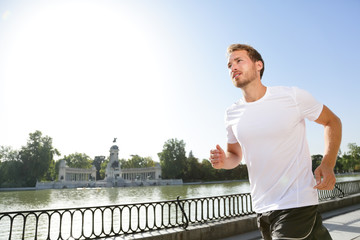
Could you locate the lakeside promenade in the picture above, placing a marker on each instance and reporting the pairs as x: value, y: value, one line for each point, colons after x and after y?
x: 343, y: 224
x: 215, y: 217
x: 341, y: 216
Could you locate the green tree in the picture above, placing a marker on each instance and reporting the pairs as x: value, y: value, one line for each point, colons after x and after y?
x: 347, y: 162
x: 208, y: 173
x: 10, y: 174
x: 354, y: 152
x: 350, y: 161
x: 10, y: 168
x: 172, y: 159
x: 78, y: 160
x: 238, y: 173
x: 137, y: 162
x: 192, y: 170
x: 339, y: 168
x: 8, y: 154
x: 51, y: 174
x: 316, y: 161
x: 124, y: 163
x: 37, y: 156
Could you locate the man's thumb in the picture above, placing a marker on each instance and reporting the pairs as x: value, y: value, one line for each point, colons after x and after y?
x: 219, y: 148
x: 317, y: 177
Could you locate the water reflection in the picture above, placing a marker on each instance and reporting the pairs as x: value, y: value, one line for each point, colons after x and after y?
x: 24, y: 200
x: 67, y: 198
x: 172, y: 192
x: 216, y: 189
x: 111, y: 194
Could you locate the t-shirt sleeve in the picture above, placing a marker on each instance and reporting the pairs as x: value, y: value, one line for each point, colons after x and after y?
x: 230, y: 135
x: 229, y: 130
x: 309, y: 107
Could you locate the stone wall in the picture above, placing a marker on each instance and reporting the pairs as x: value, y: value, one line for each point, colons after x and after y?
x: 104, y: 184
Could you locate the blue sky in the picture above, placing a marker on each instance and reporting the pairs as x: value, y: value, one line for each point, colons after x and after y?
x: 84, y: 72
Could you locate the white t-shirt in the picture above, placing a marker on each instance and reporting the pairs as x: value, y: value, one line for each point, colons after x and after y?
x: 272, y: 135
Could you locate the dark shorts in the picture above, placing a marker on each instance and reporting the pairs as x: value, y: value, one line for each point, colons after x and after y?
x: 295, y: 223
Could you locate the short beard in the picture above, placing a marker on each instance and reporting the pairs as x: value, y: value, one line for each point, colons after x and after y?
x: 249, y: 77
x: 242, y: 84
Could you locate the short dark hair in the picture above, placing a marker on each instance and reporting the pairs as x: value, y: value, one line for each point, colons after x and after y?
x: 253, y: 54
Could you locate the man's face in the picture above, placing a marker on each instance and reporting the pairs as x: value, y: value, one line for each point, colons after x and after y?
x: 242, y: 69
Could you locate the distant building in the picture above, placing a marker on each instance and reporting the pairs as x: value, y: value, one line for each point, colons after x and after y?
x: 114, y: 176
x: 150, y: 173
x: 75, y: 174
x: 119, y: 177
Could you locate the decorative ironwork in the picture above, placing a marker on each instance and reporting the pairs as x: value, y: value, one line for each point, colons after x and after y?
x: 181, y: 206
x: 115, y: 220
x: 341, y: 189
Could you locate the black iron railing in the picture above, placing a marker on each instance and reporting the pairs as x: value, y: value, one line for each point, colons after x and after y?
x: 115, y: 220
x: 341, y: 189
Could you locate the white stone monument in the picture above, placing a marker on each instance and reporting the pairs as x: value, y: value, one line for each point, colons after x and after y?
x: 113, y: 169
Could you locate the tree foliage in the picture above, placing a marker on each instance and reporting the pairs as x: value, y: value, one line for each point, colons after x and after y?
x: 192, y: 169
x: 350, y: 161
x: 316, y: 160
x: 354, y: 152
x: 8, y: 154
x: 175, y: 164
x: 78, y: 160
x: 10, y: 163
x: 21, y: 168
x: 172, y: 159
x: 346, y: 162
x: 37, y: 157
x: 137, y: 162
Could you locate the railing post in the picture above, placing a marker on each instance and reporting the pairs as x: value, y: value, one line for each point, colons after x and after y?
x: 186, y: 224
x: 342, y: 193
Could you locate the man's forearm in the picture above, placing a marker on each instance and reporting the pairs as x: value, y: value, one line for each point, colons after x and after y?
x: 332, y: 134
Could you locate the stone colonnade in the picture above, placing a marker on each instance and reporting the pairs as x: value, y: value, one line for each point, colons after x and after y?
x: 151, y: 173
x: 76, y: 174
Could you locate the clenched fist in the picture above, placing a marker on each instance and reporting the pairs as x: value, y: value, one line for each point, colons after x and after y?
x: 217, y: 157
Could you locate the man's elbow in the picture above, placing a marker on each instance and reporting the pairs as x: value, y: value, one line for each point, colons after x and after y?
x: 335, y: 126
x: 337, y: 122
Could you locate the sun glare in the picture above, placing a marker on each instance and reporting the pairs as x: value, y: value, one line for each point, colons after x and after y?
x: 6, y: 15
x: 84, y: 61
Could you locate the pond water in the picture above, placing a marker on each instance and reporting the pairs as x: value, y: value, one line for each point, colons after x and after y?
x: 67, y: 198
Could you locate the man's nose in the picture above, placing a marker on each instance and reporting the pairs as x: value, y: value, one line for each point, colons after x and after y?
x: 233, y: 68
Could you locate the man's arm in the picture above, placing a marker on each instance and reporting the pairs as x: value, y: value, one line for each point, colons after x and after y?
x: 332, y: 134
x: 229, y: 160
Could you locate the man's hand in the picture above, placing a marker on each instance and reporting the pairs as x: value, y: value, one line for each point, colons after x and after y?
x: 325, y: 177
x: 217, y: 157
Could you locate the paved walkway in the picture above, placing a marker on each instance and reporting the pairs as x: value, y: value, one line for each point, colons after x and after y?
x: 343, y: 224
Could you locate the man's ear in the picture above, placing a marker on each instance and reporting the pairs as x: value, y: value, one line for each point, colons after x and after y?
x: 259, y: 65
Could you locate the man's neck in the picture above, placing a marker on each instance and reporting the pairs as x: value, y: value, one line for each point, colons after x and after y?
x: 253, y: 92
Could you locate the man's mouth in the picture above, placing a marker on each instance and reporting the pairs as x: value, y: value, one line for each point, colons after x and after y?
x: 236, y: 75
